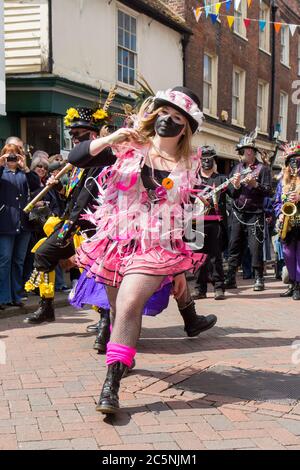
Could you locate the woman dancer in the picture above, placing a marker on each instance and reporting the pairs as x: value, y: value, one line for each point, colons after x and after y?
x: 143, y: 220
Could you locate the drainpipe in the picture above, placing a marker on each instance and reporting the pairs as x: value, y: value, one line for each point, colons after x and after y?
x: 184, y: 42
x: 274, y: 8
x: 50, y: 52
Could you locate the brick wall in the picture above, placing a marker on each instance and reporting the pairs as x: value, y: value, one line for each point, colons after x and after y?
x: 233, y: 50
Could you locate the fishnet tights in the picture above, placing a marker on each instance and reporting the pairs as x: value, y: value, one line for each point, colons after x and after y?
x: 127, y: 305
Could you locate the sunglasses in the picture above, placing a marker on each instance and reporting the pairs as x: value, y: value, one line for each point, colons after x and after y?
x: 42, y: 166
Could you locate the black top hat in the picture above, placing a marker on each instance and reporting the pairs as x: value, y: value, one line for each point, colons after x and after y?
x: 183, y: 100
x: 83, y: 117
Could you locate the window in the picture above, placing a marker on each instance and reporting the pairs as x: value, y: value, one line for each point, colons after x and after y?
x: 283, y: 113
x: 210, y: 81
x: 298, y: 123
x: 239, y: 14
x: 285, y: 46
x: 264, y: 36
x: 127, y: 56
x: 262, y: 106
x: 238, y: 96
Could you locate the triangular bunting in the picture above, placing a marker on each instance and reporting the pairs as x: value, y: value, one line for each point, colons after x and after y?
x: 262, y: 24
x: 207, y: 10
x: 247, y: 21
x: 249, y: 3
x: 293, y: 28
x: 218, y: 6
x: 213, y: 18
x: 237, y: 4
x: 228, y: 5
x: 230, y: 20
x: 277, y: 27
x: 197, y: 13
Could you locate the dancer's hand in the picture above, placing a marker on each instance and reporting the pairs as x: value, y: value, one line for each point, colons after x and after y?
x: 52, y: 180
x: 122, y: 135
x: 179, y: 285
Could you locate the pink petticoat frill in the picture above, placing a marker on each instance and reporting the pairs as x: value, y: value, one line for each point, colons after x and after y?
x: 108, y: 261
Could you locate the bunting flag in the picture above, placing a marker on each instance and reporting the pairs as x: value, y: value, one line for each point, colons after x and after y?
x: 247, y: 22
x: 230, y: 20
x: 293, y: 28
x: 197, y: 13
x: 207, y: 10
x: 218, y: 6
x: 262, y: 24
x: 213, y: 18
x: 277, y: 27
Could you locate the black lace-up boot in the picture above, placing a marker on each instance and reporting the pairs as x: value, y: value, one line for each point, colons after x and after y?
x: 45, y: 312
x: 193, y: 323
x: 109, y: 399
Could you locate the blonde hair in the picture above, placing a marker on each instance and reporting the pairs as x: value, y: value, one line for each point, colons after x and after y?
x: 145, y: 126
x: 12, y: 148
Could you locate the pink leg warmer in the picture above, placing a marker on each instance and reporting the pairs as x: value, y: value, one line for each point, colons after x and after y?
x: 119, y: 353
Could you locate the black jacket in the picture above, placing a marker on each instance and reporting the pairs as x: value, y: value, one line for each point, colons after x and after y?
x: 86, y: 190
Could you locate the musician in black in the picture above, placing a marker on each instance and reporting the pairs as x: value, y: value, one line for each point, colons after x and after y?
x: 215, y: 227
x: 248, y: 213
x: 80, y: 192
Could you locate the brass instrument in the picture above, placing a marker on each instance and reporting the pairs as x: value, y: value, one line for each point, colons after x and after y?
x: 289, y: 210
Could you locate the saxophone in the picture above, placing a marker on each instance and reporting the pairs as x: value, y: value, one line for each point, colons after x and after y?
x: 289, y: 210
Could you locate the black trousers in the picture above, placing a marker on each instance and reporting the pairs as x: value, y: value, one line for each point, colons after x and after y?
x: 213, y: 266
x: 246, y: 228
x: 47, y: 256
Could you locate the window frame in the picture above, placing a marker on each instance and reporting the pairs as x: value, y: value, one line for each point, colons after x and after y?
x: 130, y: 14
x: 243, y: 11
x: 213, y: 95
x: 285, y: 33
x: 283, y: 128
x: 240, y: 115
x: 264, y: 7
x: 264, y: 106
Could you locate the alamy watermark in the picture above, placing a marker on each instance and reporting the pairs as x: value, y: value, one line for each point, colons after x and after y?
x: 296, y: 94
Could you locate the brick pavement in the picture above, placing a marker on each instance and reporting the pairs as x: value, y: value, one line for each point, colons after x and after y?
x: 52, y: 378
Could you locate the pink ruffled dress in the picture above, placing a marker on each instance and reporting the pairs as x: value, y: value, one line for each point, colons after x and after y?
x: 140, y: 231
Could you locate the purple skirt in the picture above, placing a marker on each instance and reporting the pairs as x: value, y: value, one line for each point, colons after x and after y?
x: 89, y: 292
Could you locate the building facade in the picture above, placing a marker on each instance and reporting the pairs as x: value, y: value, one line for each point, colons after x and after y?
x: 245, y: 76
x: 60, y: 53
x: 2, y: 64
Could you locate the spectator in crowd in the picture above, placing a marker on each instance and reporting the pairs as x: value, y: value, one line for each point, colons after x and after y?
x: 16, y: 184
x: 40, y: 166
x: 57, y: 158
x: 15, y: 141
x: 40, y: 154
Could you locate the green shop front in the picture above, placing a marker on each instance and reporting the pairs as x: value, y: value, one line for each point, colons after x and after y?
x: 36, y: 106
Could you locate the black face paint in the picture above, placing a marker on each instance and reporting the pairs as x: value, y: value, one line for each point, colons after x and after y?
x: 207, y: 163
x: 166, y: 127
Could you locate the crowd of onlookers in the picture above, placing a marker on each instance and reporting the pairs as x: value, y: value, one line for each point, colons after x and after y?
x: 22, y: 177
